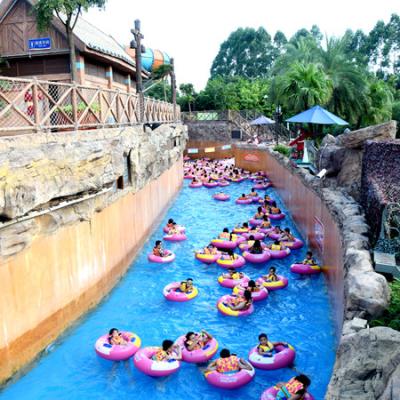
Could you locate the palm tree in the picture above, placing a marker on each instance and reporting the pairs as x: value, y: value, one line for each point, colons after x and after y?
x: 301, y: 87
x: 349, y: 85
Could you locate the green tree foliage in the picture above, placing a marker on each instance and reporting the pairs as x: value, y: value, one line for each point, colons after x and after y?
x: 247, y: 52
x: 188, y: 96
x: 160, y: 91
x: 68, y: 12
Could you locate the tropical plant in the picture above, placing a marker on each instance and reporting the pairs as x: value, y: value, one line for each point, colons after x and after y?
x: 188, y: 94
x: 285, y: 150
x: 68, y: 12
x: 301, y: 87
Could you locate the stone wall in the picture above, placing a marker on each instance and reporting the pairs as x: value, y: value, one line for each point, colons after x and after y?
x: 380, y: 180
x: 217, y: 131
x: 39, y: 171
x: 56, y: 265
x: 367, y: 362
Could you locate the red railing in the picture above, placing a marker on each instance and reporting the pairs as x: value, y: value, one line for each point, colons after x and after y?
x: 30, y: 105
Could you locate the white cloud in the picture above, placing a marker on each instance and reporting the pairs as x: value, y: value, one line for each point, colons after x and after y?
x: 192, y: 31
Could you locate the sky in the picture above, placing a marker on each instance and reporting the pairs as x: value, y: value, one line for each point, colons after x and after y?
x: 192, y: 31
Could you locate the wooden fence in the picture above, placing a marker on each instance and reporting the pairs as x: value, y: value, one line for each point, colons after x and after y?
x: 29, y: 105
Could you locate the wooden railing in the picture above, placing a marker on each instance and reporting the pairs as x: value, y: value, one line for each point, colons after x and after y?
x: 34, y: 105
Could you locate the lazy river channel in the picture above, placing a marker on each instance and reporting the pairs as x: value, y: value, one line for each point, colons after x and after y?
x: 299, y: 314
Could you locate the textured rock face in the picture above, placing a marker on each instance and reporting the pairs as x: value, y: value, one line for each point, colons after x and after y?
x: 219, y: 131
x: 36, y: 170
x: 342, y: 156
x: 367, y: 366
x: 356, y: 139
x: 380, y: 180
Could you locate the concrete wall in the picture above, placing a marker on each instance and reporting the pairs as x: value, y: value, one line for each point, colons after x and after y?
x: 47, y: 286
x: 310, y: 215
x: 202, y: 144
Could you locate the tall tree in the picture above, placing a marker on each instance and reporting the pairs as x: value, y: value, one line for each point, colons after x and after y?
x: 188, y: 94
x: 247, y: 52
x: 301, y: 87
x: 68, y: 12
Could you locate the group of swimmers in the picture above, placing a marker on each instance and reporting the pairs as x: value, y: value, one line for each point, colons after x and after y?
x: 227, y: 362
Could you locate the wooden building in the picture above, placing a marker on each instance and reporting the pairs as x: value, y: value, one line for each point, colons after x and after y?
x: 101, y: 60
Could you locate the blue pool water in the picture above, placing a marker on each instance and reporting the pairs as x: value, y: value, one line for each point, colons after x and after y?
x: 300, y: 315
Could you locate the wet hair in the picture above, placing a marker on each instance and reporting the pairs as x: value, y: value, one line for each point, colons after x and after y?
x: 224, y: 353
x: 247, y: 295
x: 229, y: 252
x: 277, y: 242
x: 251, y: 283
x: 251, y: 237
x: 166, y: 344
x: 259, y: 209
x: 253, y: 189
x: 243, y: 195
x: 262, y: 335
x: 305, y: 380
x: 226, y: 230
x: 189, y: 279
x: 187, y: 336
x: 309, y: 253
x: 265, y: 217
x: 158, y: 242
x: 273, y: 203
x: 245, y: 225
x: 231, y: 269
x: 112, y: 330
x: 273, y: 269
x: 257, y: 243
x: 287, y: 230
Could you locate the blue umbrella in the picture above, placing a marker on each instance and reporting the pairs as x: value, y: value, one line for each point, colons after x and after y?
x: 318, y: 115
x: 262, y: 121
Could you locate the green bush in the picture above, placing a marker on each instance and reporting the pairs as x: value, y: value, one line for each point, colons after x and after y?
x: 391, y: 316
x: 285, y: 150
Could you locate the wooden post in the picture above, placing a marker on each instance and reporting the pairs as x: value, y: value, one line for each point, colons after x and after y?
x: 35, y: 105
x: 138, y: 58
x: 109, y: 75
x: 74, y: 101
x: 173, y: 88
x: 80, y: 67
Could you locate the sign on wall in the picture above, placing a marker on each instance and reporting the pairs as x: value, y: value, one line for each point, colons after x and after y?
x: 319, y: 234
x: 251, y: 157
x: 39, y: 44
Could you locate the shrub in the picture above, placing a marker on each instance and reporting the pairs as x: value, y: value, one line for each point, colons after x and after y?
x: 391, y: 316
x: 285, y: 150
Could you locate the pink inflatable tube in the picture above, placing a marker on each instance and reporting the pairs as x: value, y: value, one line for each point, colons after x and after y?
x: 144, y: 363
x: 281, y: 283
x: 198, y: 356
x: 232, y: 380
x: 231, y: 283
x: 245, y: 201
x: 238, y: 180
x: 195, y: 185
x: 223, y: 184
x: 275, y: 236
x: 181, y: 229
x: 255, y: 199
x: 261, y: 201
x: 238, y: 262
x: 279, y: 253
x: 188, y: 176
x: 111, y: 352
x: 276, y: 217
x: 257, y: 258
x: 266, y: 231
x: 172, y: 293
x: 257, y: 235
x: 297, y: 244
x: 221, y: 197
x: 240, y: 231
x: 260, y: 186
x: 262, y: 294
x: 270, y: 394
x: 210, y: 184
x: 208, y: 258
x: 255, y: 222
x: 224, y: 244
x: 305, y: 269
x: 176, y: 237
x: 225, y: 310
x: 170, y: 256
x: 282, y: 357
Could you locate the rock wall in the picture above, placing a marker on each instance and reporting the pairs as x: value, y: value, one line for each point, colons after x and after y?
x: 38, y: 171
x: 380, y: 183
x: 342, y: 156
x: 218, y: 131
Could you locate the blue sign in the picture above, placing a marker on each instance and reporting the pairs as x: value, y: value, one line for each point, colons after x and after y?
x: 39, y: 44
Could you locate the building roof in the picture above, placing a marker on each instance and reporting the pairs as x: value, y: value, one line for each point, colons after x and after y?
x: 91, y: 36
